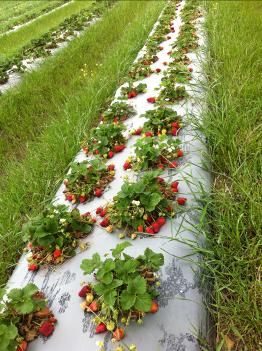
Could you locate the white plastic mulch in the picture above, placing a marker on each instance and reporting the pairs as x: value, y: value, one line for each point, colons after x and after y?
x: 182, y: 315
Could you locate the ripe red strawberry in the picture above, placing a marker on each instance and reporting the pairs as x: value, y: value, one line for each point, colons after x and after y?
x: 181, y: 200
x: 158, y: 70
x: 98, y: 192
x: 46, y: 328
x: 160, y: 47
x: 175, y: 125
x: 151, y: 100
x: 173, y: 164
x: 174, y: 131
x: 132, y: 94
x: 99, y: 210
x: 140, y: 228
x: 94, y: 306
x: 180, y: 153
x: 119, y: 334
x: 165, y: 63
x: 127, y: 165
x: 100, y: 328
x: 168, y: 37
x: 69, y: 197
x: 160, y: 180
x: 154, y: 307
x: 161, y: 221
x: 57, y: 253
x: 85, y: 290
x: 190, y: 69
x: 82, y: 199
x: 174, y: 184
x: 103, y: 213
x: 96, y: 152
x: 155, y: 227
x: 52, y: 320
x: 150, y: 219
x: 150, y: 230
x: 110, y: 154
x: 119, y: 148
x: 85, y: 150
x: 33, y: 267
x: 110, y: 167
x: 105, y: 222
x: 22, y: 346
x: 149, y: 134
x: 138, y: 131
x: 169, y: 52
x: 160, y: 166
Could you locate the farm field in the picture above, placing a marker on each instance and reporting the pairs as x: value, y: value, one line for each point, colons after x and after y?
x: 14, y: 13
x: 130, y: 175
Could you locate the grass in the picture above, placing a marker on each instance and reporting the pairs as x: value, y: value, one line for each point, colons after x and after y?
x: 232, y: 126
x: 18, y: 12
x: 13, y: 42
x: 52, y: 110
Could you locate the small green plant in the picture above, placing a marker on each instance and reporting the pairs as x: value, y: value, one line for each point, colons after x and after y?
x: 24, y: 315
x: 162, y: 120
x: 140, y: 71
x: 87, y: 179
x: 140, y: 207
x: 105, y: 140
x: 54, y: 235
x: 159, y: 151
x: 170, y: 92
x: 132, y: 90
x: 125, y: 289
x: 118, y: 112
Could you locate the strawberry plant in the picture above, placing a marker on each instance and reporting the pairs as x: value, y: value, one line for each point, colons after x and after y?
x: 170, y: 92
x: 87, y: 179
x: 55, y: 234
x: 162, y: 120
x: 24, y: 316
x: 132, y: 91
x: 140, y: 207
x: 124, y: 291
x: 140, y: 71
x: 118, y: 112
x: 178, y: 73
x: 151, y: 152
x: 106, y: 140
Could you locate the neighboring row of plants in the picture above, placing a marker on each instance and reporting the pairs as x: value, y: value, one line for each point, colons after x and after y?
x: 28, y: 17
x: 42, y: 46
x: 125, y: 288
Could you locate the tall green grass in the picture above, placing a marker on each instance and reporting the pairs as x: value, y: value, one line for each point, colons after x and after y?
x: 233, y: 129
x: 13, y: 42
x: 48, y: 114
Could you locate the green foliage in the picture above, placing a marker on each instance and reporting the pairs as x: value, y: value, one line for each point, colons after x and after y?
x: 104, y: 137
x: 154, y: 151
x: 139, y: 70
x: 121, y: 276
x: 160, y: 118
x: 170, y: 92
x: 56, y: 227
x: 118, y: 111
x: 131, y: 88
x: 17, y: 304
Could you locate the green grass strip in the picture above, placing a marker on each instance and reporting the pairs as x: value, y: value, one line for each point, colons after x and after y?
x: 16, y: 12
x: 55, y: 106
x: 13, y: 42
x: 234, y: 133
